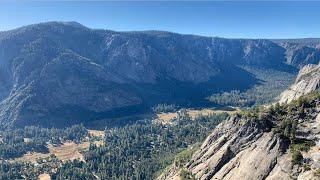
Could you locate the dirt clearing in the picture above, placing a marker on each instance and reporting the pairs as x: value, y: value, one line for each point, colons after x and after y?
x: 167, y: 117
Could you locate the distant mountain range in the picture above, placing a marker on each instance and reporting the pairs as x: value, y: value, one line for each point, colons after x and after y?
x: 61, y: 73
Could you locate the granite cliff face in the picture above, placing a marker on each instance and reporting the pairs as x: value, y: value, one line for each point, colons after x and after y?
x: 238, y: 149
x: 308, y: 80
x: 245, y: 149
x: 61, y: 73
x: 265, y: 145
x: 248, y: 148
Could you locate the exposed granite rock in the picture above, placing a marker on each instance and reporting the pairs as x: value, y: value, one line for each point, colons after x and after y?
x: 244, y: 148
x: 300, y: 55
x: 173, y: 173
x: 307, y: 81
x: 237, y: 149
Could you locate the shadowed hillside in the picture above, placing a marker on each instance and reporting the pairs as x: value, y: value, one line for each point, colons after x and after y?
x: 61, y: 73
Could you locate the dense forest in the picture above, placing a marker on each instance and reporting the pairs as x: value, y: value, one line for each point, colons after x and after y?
x: 159, y: 108
x: 135, y: 151
x: 144, y: 149
x: 17, y: 142
x: 272, y: 83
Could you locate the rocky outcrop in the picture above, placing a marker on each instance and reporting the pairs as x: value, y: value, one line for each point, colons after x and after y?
x: 242, y: 148
x: 238, y: 149
x: 301, y: 55
x: 264, y: 146
x: 307, y: 81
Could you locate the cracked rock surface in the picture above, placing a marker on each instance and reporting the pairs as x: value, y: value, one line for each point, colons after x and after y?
x: 307, y: 81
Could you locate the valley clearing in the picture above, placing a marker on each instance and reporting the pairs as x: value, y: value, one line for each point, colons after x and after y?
x: 166, y: 118
x: 67, y: 151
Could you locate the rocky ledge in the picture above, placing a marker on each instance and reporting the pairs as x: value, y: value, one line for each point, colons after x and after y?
x: 281, y: 141
x: 307, y: 81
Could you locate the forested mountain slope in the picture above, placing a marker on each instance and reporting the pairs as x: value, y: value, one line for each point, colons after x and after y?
x: 61, y: 73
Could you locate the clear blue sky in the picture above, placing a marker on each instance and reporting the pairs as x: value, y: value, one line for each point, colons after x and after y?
x: 223, y: 19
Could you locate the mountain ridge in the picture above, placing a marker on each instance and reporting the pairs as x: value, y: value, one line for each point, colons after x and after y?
x: 123, y: 69
x: 75, y: 23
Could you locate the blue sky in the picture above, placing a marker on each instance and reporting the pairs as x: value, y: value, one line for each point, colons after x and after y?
x: 224, y: 19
